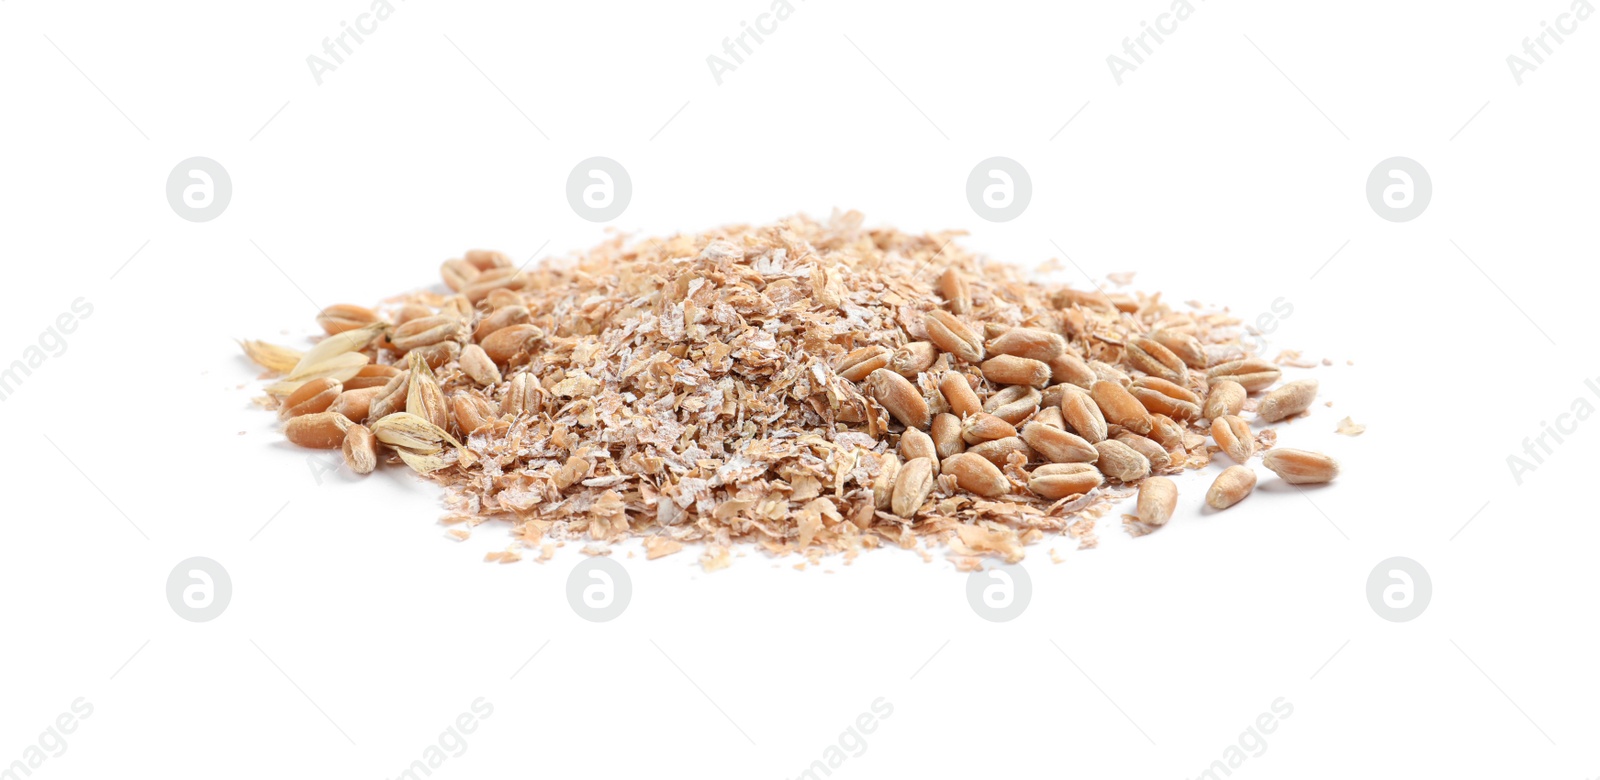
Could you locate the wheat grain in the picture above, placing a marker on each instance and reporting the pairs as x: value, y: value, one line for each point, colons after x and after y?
x: 912, y: 486
x: 360, y: 449
x: 1121, y: 462
x: 953, y: 336
x: 1120, y: 407
x: 1233, y: 435
x: 1158, y: 498
x: 1230, y: 487
x: 1227, y: 397
x: 898, y: 397
x: 1300, y: 467
x: 1056, y: 481
x: 976, y: 475
x: 1287, y: 401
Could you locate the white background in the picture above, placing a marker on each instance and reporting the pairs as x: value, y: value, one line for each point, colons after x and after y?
x: 1229, y: 168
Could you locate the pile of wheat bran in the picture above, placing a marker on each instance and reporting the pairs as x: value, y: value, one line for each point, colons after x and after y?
x: 772, y: 386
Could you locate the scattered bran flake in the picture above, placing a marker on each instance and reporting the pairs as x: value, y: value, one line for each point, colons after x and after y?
x: 1291, y: 357
x: 595, y: 550
x: 1136, y: 527
x: 1055, y: 557
x: 658, y: 546
x: 988, y: 537
x: 1349, y: 427
x: 966, y: 563
x: 459, y: 533
x: 1121, y: 278
x: 1082, y: 529
x: 716, y: 558
x: 1266, y: 439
